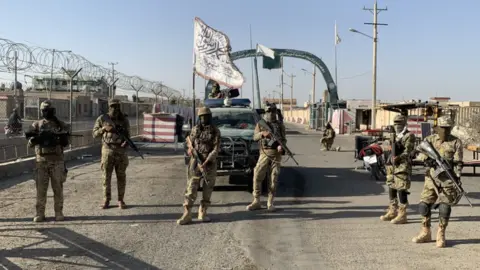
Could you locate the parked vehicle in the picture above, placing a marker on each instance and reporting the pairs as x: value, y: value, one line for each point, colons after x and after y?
x: 373, y: 157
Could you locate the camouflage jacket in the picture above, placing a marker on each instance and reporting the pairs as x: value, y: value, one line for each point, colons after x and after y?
x: 451, y: 150
x: 206, y: 141
x: 110, y: 139
x: 277, y: 127
x: 49, y: 153
x: 329, y: 133
x: 215, y: 94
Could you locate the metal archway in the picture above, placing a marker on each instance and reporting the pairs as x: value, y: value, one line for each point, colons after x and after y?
x: 331, y: 86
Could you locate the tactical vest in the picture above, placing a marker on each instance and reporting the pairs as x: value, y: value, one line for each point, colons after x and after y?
x: 45, y: 152
x: 110, y: 138
x: 203, y: 139
x: 269, y: 143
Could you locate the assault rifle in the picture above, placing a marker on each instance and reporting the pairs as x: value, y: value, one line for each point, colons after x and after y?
x: 122, y: 133
x: 442, y: 166
x: 275, y: 138
x: 198, y: 160
x: 50, y: 138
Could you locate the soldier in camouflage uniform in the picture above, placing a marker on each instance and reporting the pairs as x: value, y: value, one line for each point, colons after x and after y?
x: 270, y: 159
x: 440, y: 188
x: 49, y: 162
x: 215, y: 93
x: 205, y: 139
x: 399, y: 170
x: 114, y: 152
x: 328, y: 137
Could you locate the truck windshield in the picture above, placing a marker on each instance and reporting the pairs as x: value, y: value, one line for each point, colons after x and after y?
x: 234, y: 120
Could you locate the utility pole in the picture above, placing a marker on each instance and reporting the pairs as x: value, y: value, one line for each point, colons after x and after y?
x: 375, y: 11
x: 291, y: 93
x: 112, y: 92
x: 313, y: 90
x: 136, y: 106
x: 72, y: 75
x: 51, y: 71
x: 281, y: 83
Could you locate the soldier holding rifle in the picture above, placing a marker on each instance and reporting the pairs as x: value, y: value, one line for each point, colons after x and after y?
x: 399, y: 169
x: 444, y: 186
x: 49, y: 136
x: 113, y: 128
x: 203, y: 146
x: 271, y: 134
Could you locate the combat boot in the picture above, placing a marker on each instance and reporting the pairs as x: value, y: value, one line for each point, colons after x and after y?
x: 202, y: 213
x: 105, y: 204
x: 391, y: 213
x: 425, y: 234
x: 402, y: 215
x: 255, y: 205
x: 59, y: 216
x: 122, y: 205
x: 270, y: 206
x: 186, y: 217
x: 39, y: 218
x: 441, y: 236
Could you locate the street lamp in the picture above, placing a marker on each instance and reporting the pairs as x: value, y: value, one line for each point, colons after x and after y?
x: 51, y: 71
x: 374, y: 79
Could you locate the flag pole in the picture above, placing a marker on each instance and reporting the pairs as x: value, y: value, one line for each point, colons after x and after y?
x: 251, y: 60
x: 193, y: 77
x: 259, y: 104
x: 336, y: 39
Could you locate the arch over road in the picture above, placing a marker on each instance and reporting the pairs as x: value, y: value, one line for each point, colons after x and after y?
x: 331, y: 86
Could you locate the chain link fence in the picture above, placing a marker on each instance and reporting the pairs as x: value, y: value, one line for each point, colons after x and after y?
x: 13, y: 144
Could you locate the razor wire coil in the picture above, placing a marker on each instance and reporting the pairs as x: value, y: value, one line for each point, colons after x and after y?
x: 39, y: 60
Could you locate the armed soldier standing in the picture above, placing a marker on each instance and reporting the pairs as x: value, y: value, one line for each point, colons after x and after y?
x: 328, y: 137
x: 114, y: 152
x: 270, y: 158
x: 49, y: 160
x: 440, y: 187
x: 399, y: 170
x: 205, y: 141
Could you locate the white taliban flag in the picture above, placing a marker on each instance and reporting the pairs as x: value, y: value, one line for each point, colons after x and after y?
x: 212, y: 56
x: 337, y: 37
x: 265, y: 51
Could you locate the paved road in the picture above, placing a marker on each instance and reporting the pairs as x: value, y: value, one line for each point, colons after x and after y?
x: 77, y: 125
x: 328, y: 219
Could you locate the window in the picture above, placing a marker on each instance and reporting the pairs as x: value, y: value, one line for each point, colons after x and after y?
x: 85, y: 108
x: 233, y: 119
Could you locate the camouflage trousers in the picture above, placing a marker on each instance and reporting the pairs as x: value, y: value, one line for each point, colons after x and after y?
x: 269, y: 161
x: 397, y: 180
x: 45, y: 172
x: 114, y: 159
x: 194, y: 177
x: 327, y: 143
x: 446, y: 193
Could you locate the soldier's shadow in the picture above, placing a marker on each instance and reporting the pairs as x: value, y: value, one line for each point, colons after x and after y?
x: 452, y: 243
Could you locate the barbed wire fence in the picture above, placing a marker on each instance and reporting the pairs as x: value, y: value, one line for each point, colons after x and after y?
x: 43, y: 66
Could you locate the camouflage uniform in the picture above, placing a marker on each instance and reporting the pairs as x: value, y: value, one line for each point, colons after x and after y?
x: 114, y: 152
x: 205, y: 139
x: 440, y: 188
x: 215, y: 91
x: 328, y: 137
x: 270, y: 160
x: 49, y: 163
x: 399, y: 170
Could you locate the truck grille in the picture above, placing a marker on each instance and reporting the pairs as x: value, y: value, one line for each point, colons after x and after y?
x: 233, y: 146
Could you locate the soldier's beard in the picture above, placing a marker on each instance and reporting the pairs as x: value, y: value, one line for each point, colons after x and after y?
x: 443, y: 133
x: 398, y: 128
x: 270, y: 117
x: 115, y: 113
